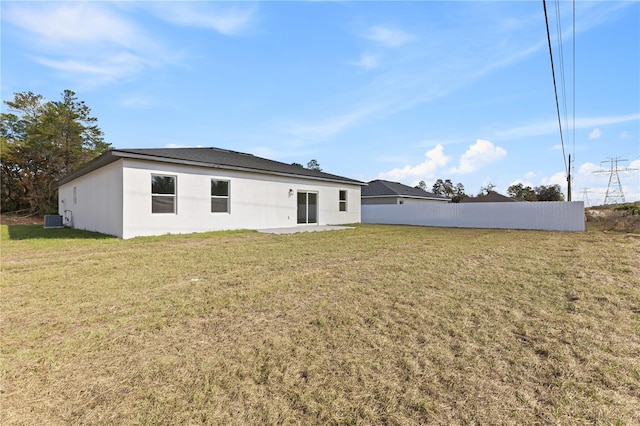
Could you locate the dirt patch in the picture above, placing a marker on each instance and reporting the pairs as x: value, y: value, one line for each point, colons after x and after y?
x: 610, y: 218
x: 20, y: 219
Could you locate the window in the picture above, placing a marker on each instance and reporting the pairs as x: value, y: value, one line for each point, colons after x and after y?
x: 163, y: 194
x: 219, y: 196
x: 342, y: 203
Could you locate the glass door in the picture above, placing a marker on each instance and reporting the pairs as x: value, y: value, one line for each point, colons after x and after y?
x: 307, y: 207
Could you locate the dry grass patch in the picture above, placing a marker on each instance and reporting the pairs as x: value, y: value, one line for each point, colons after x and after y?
x: 381, y: 324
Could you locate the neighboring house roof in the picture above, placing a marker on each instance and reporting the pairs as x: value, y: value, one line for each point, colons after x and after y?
x: 385, y: 188
x: 491, y: 197
x: 208, y: 157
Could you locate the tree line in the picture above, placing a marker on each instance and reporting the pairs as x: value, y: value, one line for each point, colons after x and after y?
x: 538, y: 193
x: 446, y: 188
x: 40, y: 143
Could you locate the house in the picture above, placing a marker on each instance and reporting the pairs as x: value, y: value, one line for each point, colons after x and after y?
x: 135, y: 192
x: 490, y: 197
x: 386, y: 192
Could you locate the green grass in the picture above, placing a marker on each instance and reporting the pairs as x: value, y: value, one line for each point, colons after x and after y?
x: 375, y: 325
x: 37, y: 232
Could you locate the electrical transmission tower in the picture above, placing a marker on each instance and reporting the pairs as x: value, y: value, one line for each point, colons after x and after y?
x: 614, y: 194
x: 585, y: 196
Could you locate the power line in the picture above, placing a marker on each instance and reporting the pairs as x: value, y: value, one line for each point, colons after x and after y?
x: 563, y: 86
x: 569, y: 166
x: 555, y: 87
x: 614, y: 194
x: 574, y: 80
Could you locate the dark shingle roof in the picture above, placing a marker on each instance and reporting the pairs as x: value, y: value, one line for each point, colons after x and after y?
x: 385, y: 188
x: 491, y: 197
x: 208, y: 157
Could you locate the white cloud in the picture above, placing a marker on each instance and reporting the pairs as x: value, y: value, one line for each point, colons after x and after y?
x: 88, y: 43
x: 588, y: 168
x: 530, y: 175
x: 331, y: 126
x: 595, y: 134
x: 228, y: 21
x: 367, y: 61
x: 523, y: 182
x: 434, y: 159
x: 556, y: 147
x: 631, y: 182
x: 486, y: 182
x: 625, y: 135
x: 441, y: 141
x: 559, y: 178
x: 389, y: 37
x: 477, y: 155
x: 112, y: 67
x: 73, y: 23
x: 551, y: 126
x: 176, y: 145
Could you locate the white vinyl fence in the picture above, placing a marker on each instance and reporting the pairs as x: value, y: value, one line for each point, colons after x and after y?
x: 551, y: 216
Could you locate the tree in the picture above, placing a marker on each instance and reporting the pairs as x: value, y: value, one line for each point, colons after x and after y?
x: 421, y: 185
x: 458, y: 193
x: 438, y: 187
x: 521, y: 192
x: 539, y: 193
x: 447, y: 189
x: 549, y: 193
x: 40, y: 143
x: 297, y: 164
x: 485, y: 190
x: 314, y: 165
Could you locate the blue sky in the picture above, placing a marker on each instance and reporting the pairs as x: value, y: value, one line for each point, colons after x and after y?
x: 404, y: 91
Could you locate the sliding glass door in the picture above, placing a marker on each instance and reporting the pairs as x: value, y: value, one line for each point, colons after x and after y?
x: 307, y: 207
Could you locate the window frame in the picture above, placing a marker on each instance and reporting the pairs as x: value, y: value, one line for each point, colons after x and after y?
x: 157, y: 195
x: 221, y: 197
x: 343, y: 205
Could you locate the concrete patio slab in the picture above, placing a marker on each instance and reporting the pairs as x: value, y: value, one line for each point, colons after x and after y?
x: 304, y: 228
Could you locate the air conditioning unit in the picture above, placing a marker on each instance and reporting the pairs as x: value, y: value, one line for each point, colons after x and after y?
x: 52, y: 221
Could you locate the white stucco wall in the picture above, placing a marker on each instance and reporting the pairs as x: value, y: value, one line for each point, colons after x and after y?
x: 98, y: 203
x: 258, y: 201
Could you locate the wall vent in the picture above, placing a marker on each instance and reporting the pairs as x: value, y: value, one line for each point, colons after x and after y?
x: 53, y: 221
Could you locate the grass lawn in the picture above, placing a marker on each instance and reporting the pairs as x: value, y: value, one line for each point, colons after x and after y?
x: 375, y: 325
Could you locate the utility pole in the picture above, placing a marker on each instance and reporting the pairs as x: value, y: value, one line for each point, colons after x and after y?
x: 614, y: 194
x: 569, y: 180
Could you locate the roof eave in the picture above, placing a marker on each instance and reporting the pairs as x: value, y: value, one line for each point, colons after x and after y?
x: 114, y: 155
x: 95, y: 164
x: 406, y: 196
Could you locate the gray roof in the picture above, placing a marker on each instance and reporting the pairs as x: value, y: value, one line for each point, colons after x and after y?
x: 385, y: 188
x: 211, y: 158
x: 491, y: 197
